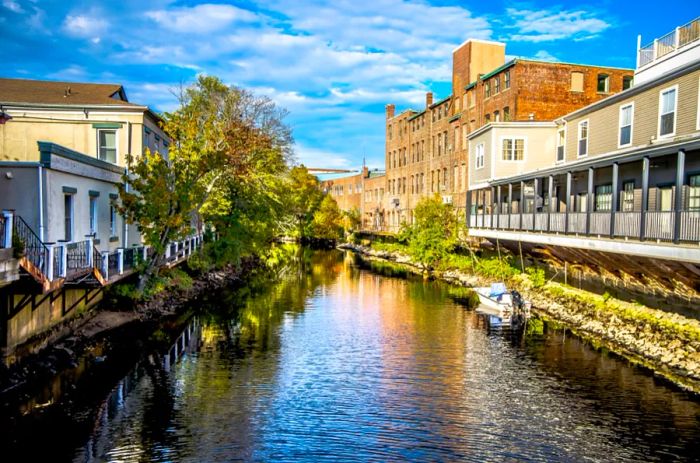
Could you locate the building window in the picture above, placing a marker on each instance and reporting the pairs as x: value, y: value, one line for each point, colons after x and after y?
x: 112, y: 220
x: 603, y: 83
x: 506, y: 80
x: 583, y: 138
x: 506, y: 114
x: 68, y: 217
x: 93, y: 215
x: 496, y: 116
x: 488, y: 118
x: 627, y: 82
x: 107, y: 145
x: 667, y: 112
x: 512, y: 149
x: 479, y: 156
x: 487, y: 90
x: 627, y: 197
x: 603, y: 198
x: 496, y: 84
x: 561, y: 141
x: 626, y: 114
x: 694, y: 193
x: 577, y: 81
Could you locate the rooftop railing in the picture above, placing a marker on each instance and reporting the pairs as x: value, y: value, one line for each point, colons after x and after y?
x: 675, y: 40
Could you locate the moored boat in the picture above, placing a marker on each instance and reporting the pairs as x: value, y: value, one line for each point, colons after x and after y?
x: 503, y: 307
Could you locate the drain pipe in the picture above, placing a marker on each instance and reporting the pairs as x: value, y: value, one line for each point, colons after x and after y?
x: 125, y: 242
x: 41, y: 203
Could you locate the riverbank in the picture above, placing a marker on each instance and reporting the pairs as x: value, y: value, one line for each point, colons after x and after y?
x: 114, y: 315
x: 666, y: 343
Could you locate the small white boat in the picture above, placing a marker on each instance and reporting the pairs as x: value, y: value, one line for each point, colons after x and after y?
x: 503, y: 307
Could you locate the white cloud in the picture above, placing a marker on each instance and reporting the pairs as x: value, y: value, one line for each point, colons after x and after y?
x: 205, y: 18
x: 549, y: 25
x: 314, y: 157
x: 544, y: 55
x: 84, y: 26
x: 12, y: 6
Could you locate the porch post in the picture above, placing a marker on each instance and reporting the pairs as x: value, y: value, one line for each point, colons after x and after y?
x: 9, y: 216
x: 491, y: 201
x: 535, y: 188
x: 522, y: 202
x: 64, y: 260
x: 589, y: 200
x: 645, y: 198
x: 568, y: 202
x: 498, y: 200
x: 483, y: 208
x: 120, y: 263
x: 615, y: 193
x: 468, y: 202
x: 680, y: 175
x: 49, y: 264
x: 550, y: 190
x: 510, y: 202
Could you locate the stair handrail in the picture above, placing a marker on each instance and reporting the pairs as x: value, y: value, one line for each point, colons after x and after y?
x: 34, y: 249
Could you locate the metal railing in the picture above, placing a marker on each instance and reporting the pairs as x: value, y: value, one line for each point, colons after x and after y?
x: 34, y: 250
x: 541, y: 221
x: 577, y: 222
x: 527, y: 221
x: 659, y: 225
x: 503, y: 220
x: 557, y: 222
x: 600, y: 223
x: 627, y: 223
x: 78, y: 258
x: 674, y: 40
x: 690, y: 226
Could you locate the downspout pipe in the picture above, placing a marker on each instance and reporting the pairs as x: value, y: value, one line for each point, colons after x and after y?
x: 41, y: 203
x: 125, y: 235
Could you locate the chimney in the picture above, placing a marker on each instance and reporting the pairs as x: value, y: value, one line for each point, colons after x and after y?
x: 428, y: 99
x: 390, y: 110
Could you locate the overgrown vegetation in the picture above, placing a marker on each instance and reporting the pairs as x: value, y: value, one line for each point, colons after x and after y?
x: 228, y: 166
x: 464, y: 296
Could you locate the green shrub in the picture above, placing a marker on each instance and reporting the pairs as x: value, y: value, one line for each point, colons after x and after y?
x: 536, y: 276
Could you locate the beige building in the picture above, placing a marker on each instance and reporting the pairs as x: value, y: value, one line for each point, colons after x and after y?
x: 93, y: 125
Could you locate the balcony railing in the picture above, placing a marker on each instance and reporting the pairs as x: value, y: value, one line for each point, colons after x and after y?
x: 658, y: 225
x: 669, y: 43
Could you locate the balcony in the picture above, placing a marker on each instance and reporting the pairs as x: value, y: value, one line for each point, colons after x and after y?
x: 664, y: 50
x: 54, y: 264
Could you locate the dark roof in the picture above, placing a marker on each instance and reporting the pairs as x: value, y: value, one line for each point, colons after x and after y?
x: 61, y: 93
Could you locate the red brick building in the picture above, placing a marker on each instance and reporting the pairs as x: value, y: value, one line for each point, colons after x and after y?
x: 426, y: 150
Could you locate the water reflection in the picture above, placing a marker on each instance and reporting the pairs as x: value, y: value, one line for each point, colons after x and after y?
x: 336, y: 364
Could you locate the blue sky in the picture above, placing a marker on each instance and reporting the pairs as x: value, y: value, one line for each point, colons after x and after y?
x: 333, y: 65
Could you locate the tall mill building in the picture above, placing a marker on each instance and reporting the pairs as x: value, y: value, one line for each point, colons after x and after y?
x: 427, y: 150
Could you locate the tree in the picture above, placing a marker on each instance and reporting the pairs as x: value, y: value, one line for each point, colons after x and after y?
x: 352, y: 219
x: 433, y: 235
x: 226, y: 143
x: 304, y: 198
x: 328, y: 220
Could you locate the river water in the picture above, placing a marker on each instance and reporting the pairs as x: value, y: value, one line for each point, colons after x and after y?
x: 334, y: 363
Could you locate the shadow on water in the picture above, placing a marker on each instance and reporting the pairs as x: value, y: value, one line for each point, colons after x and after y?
x: 329, y: 362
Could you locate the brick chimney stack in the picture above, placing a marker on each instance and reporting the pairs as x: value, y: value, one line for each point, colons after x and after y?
x: 390, y: 110
x: 428, y: 99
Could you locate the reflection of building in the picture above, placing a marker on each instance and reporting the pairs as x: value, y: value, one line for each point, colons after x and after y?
x: 427, y: 150
x: 619, y: 177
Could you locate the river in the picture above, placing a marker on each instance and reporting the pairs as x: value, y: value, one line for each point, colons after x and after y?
x: 334, y: 363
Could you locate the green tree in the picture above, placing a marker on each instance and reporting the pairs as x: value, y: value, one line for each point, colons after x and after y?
x: 328, y: 220
x: 352, y: 220
x: 226, y: 144
x: 433, y: 234
x: 304, y: 197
